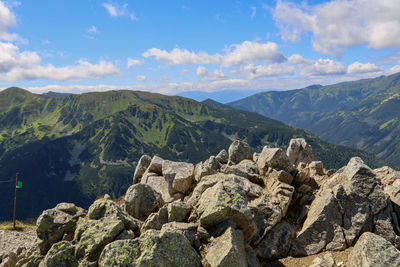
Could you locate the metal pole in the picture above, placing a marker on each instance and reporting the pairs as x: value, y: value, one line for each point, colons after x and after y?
x: 15, y: 198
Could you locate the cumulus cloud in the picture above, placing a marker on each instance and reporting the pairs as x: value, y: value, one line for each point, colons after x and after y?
x: 259, y: 71
x: 320, y: 67
x: 81, y: 70
x: 236, y: 54
x: 26, y: 65
x: 338, y: 25
x: 141, y: 78
x: 7, y: 21
x: 117, y: 10
x: 181, y: 56
x: 11, y: 57
x: 358, y: 67
x: 203, y: 73
x: 248, y: 52
x: 133, y: 62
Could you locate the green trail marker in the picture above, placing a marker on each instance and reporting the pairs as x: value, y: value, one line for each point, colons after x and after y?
x: 19, y: 184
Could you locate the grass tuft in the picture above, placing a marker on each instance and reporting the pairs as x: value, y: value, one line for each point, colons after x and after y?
x: 19, y: 226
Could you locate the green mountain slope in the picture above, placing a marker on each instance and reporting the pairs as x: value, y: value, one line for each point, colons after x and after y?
x: 77, y: 147
x: 362, y: 114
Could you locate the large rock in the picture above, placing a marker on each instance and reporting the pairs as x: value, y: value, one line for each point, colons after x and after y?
x: 30, y: 258
x: 323, y: 224
x: 247, y: 169
x: 141, y: 200
x: 159, y: 184
x: 271, y: 207
x: 177, y: 211
x: 57, y: 224
x: 299, y: 151
x: 343, y: 209
x: 239, y: 151
x: 226, y: 197
x: 277, y: 242
x: 156, y: 220
x: 155, y: 165
x: 227, y: 250
x: 210, y: 166
x: 273, y: 158
x: 153, y: 248
x: 189, y: 230
x: 390, y: 179
x: 386, y: 224
x: 103, y: 224
x: 179, y: 176
x: 60, y: 254
x: 141, y: 167
x: 373, y: 251
x: 222, y: 157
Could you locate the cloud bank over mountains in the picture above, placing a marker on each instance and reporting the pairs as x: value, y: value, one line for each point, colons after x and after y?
x: 330, y: 28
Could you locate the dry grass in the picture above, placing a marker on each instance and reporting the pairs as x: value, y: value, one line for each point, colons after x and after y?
x: 19, y: 226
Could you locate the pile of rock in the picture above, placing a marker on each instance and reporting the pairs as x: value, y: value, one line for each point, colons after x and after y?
x: 234, y: 209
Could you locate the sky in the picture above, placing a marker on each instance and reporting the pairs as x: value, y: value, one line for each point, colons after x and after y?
x: 183, y: 46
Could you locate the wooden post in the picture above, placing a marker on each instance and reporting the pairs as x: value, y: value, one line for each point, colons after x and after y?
x: 15, y: 199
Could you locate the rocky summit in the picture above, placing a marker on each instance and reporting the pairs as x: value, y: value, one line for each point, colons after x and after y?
x: 237, y: 208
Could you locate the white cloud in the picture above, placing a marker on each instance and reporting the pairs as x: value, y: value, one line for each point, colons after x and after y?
x: 181, y: 56
x: 358, y: 67
x: 117, y: 10
x: 141, y: 78
x: 236, y: 54
x: 259, y: 71
x: 248, y: 52
x: 133, y: 62
x: 26, y: 65
x: 93, y: 30
x: 174, y: 88
x: 11, y: 57
x: 393, y: 70
x: 338, y: 25
x: 298, y: 59
x: 82, y: 70
x: 217, y: 74
x: 7, y: 21
x: 201, y: 71
x: 320, y: 67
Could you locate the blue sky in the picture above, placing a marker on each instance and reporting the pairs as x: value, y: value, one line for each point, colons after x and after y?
x: 182, y: 46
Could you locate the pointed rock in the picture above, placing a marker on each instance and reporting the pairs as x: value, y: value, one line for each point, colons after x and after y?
x: 239, y: 151
x: 273, y: 158
x: 141, y: 167
x: 299, y: 151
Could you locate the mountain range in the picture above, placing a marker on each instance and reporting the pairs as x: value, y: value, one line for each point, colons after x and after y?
x: 74, y: 148
x: 362, y: 114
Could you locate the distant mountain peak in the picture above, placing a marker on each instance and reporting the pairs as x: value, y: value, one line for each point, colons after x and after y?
x: 13, y: 90
x: 56, y: 94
